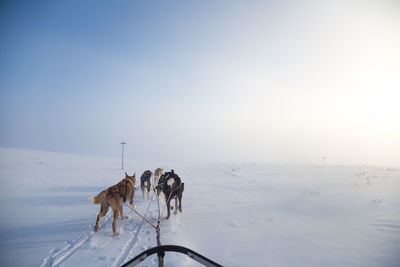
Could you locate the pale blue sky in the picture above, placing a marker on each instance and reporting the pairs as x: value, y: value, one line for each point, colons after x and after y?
x: 266, y: 81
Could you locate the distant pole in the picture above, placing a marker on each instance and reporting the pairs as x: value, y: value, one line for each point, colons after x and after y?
x: 123, y: 143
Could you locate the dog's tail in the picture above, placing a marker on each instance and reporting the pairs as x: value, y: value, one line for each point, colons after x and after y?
x: 99, y: 198
x: 182, y: 187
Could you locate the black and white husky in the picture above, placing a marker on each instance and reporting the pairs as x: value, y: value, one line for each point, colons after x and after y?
x: 145, y: 182
x: 172, y: 187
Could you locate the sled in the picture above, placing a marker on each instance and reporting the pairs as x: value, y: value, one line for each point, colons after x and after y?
x: 160, y: 250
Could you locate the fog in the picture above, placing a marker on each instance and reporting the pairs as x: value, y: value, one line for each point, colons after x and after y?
x: 275, y: 82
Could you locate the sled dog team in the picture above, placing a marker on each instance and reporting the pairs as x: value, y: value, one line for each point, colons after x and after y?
x: 169, y: 183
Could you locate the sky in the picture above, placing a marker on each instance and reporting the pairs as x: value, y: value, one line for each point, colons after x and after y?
x: 227, y: 81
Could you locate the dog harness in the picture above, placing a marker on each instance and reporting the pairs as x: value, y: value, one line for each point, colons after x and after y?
x: 113, y: 192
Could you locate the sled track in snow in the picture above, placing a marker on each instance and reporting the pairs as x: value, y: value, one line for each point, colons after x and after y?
x: 57, y: 257
x: 60, y: 256
x: 132, y: 241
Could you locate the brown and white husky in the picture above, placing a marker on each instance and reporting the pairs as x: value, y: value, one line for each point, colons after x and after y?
x: 113, y: 197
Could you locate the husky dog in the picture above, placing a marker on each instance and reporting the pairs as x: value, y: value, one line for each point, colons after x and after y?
x: 157, y: 174
x: 113, y: 197
x: 145, y: 182
x: 172, y: 187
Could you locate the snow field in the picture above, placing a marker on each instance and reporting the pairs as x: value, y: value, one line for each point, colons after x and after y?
x: 235, y: 214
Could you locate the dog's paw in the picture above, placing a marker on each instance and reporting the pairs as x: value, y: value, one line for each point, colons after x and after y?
x: 115, y: 234
x: 134, y: 206
x: 175, y: 212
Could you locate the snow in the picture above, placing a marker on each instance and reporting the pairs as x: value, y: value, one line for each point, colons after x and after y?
x: 243, y: 214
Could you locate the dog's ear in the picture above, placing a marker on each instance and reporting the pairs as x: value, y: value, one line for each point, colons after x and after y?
x: 134, y: 175
x: 126, y: 175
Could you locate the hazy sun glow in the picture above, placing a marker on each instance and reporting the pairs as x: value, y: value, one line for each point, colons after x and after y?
x: 281, y: 82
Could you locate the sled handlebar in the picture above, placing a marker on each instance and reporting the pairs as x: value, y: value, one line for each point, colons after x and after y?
x: 172, y: 248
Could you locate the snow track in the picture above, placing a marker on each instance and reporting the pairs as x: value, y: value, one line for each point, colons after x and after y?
x: 96, y: 246
x: 59, y: 256
x: 130, y: 244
